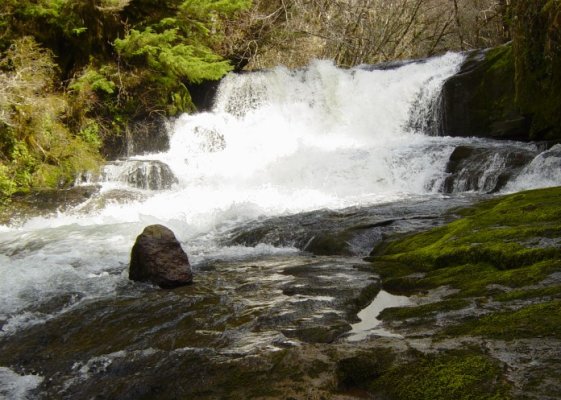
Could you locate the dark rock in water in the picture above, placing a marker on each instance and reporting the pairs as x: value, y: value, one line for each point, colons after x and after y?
x: 147, y: 135
x: 484, y: 169
x: 152, y: 175
x: 157, y: 257
x: 203, y: 94
x: 351, y: 231
x: 325, y: 244
x: 480, y: 99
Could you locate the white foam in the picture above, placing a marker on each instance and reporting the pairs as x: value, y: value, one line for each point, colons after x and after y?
x: 543, y: 171
x: 277, y: 142
x: 14, y: 386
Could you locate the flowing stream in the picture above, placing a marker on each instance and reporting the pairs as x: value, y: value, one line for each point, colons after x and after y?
x: 319, y: 145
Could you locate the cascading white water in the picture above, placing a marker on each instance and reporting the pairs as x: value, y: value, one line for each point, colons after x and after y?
x: 287, y: 141
x: 276, y: 142
x: 543, y: 171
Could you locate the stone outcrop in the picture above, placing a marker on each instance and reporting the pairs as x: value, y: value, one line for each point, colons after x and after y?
x: 157, y: 257
x: 484, y: 169
x: 144, y: 135
x: 480, y: 99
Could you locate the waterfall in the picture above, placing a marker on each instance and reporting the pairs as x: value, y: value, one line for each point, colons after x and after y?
x: 276, y: 142
x: 286, y: 161
x: 289, y: 141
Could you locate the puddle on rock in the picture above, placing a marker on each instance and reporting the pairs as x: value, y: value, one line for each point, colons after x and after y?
x: 369, y: 324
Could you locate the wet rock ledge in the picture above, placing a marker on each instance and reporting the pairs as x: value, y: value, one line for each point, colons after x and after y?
x: 487, y: 289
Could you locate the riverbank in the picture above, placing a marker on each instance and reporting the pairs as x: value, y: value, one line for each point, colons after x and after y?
x: 487, y: 290
x: 481, y: 321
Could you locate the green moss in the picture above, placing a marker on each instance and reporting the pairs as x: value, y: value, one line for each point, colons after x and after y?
x: 359, y: 371
x: 456, y: 375
x: 473, y: 279
x: 493, y: 248
x: 495, y: 234
x: 500, y: 58
x: 537, y: 51
x: 397, y: 313
x: 496, y: 89
x: 523, y: 294
x: 536, y: 320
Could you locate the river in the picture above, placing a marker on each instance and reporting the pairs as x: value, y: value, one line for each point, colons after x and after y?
x: 283, y: 158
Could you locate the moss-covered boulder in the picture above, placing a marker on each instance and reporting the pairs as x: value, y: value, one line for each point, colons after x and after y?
x: 512, y: 91
x: 480, y: 99
x: 537, y: 53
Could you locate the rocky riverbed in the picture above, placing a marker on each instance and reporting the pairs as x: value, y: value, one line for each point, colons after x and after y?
x: 480, y: 320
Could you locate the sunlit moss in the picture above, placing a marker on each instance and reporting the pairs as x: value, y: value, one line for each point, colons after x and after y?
x: 523, y: 294
x: 536, y: 320
x: 457, y: 375
x: 504, y: 249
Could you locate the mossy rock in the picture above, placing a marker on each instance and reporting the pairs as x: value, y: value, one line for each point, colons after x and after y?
x: 459, y: 375
x: 537, y: 54
x: 503, y: 251
x: 480, y: 99
x: 497, y: 233
x: 537, y: 320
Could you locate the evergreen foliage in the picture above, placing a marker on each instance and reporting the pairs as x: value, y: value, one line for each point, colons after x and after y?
x: 74, y: 73
x: 36, y: 148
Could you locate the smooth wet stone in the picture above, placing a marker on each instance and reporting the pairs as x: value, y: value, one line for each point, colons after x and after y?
x: 157, y: 257
x: 141, y: 174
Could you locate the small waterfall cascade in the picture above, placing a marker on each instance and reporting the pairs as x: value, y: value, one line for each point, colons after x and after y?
x: 306, y: 151
x: 485, y: 167
x: 543, y: 171
x: 141, y: 174
x: 276, y: 143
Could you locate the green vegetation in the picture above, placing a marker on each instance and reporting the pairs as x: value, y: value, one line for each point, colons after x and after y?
x: 536, y: 320
x: 459, y: 374
x: 75, y: 73
x: 495, y: 112
x: 502, y: 249
x: 359, y: 371
x: 509, y: 221
x: 462, y: 375
x: 549, y: 292
x: 36, y: 148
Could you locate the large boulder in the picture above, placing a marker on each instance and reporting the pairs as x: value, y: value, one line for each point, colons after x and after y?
x: 480, y: 99
x: 484, y: 168
x: 157, y: 257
